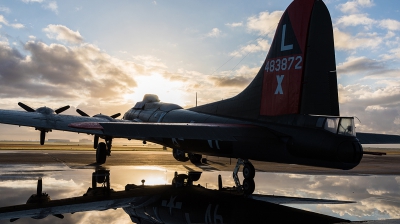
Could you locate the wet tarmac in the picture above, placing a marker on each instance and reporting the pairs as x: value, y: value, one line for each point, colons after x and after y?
x: 374, y: 184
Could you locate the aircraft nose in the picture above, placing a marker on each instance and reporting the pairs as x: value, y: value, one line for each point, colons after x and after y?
x: 350, y: 152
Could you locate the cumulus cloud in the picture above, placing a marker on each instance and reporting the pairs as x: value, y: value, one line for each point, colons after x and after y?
x: 215, y: 32
x: 353, y: 6
x: 261, y: 45
x: 264, y: 23
x: 62, y: 72
x: 63, y: 33
x: 355, y: 20
x: 377, y: 108
x: 345, y: 41
x: 390, y: 24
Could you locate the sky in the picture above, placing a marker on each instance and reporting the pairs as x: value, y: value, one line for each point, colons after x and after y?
x: 103, y: 56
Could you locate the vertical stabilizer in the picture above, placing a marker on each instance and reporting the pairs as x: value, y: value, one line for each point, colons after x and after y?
x: 299, y: 72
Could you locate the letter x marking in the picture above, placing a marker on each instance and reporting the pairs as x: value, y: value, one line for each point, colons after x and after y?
x: 279, y: 90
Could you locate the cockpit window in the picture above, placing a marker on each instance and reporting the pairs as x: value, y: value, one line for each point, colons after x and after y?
x: 331, y: 124
x: 340, y: 125
x: 346, y: 127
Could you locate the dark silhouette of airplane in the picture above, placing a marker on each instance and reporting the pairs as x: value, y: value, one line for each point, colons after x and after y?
x: 288, y: 114
x: 181, y: 202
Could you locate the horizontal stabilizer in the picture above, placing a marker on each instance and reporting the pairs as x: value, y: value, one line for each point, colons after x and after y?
x: 371, y: 138
x: 295, y: 200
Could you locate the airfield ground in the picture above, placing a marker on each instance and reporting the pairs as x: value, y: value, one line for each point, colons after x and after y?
x: 74, y: 154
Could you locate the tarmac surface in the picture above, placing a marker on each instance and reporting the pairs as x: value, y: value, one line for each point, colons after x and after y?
x: 59, y: 166
x: 370, y: 164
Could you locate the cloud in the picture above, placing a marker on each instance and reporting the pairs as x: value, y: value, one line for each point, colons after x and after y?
x: 377, y: 108
x: 5, y: 9
x: 63, y: 33
x: 234, y: 24
x: 215, y: 32
x: 345, y: 41
x: 265, y: 23
x: 355, y: 20
x: 52, y: 6
x: 17, y: 25
x: 232, y: 81
x: 390, y: 24
x: 14, y: 25
x: 353, y: 6
x: 360, y: 65
x: 261, y: 45
x: 57, y: 71
x: 239, y: 78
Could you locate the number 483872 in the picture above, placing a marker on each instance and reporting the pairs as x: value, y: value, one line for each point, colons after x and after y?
x: 283, y: 64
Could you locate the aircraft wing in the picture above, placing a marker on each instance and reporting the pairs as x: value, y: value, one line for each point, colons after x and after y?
x: 47, y: 121
x: 197, y: 131
x: 372, y: 138
x: 141, y: 197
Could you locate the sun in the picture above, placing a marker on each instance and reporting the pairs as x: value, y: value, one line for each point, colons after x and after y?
x: 167, y: 91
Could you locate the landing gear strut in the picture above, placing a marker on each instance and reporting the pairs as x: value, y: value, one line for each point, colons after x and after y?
x: 248, y: 174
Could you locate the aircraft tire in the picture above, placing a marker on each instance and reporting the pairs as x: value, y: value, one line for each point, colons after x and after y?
x: 195, y: 158
x: 248, y: 186
x: 248, y: 171
x: 101, y: 153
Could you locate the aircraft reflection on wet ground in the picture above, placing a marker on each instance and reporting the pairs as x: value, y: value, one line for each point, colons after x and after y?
x: 377, y: 197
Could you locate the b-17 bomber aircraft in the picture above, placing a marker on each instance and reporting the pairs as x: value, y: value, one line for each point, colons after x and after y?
x: 288, y: 114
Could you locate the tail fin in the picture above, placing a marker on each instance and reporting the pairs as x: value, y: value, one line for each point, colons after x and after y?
x: 299, y: 73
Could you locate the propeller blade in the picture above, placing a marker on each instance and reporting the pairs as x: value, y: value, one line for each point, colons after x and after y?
x: 26, y: 107
x: 82, y: 113
x: 62, y: 109
x: 115, y: 115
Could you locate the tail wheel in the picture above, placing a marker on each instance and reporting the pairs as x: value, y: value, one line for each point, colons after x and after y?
x: 195, y: 158
x: 248, y: 171
x: 248, y: 186
x: 101, y: 153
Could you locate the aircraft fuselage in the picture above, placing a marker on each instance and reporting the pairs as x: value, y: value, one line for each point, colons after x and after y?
x: 298, y: 139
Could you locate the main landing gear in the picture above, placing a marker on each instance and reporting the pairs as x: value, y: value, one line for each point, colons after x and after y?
x: 103, y: 150
x: 249, y: 172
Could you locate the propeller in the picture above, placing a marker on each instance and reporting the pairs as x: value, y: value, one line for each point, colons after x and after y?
x: 87, y: 115
x: 96, y: 137
x: 39, y: 198
x: 45, y: 111
x: 41, y: 109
